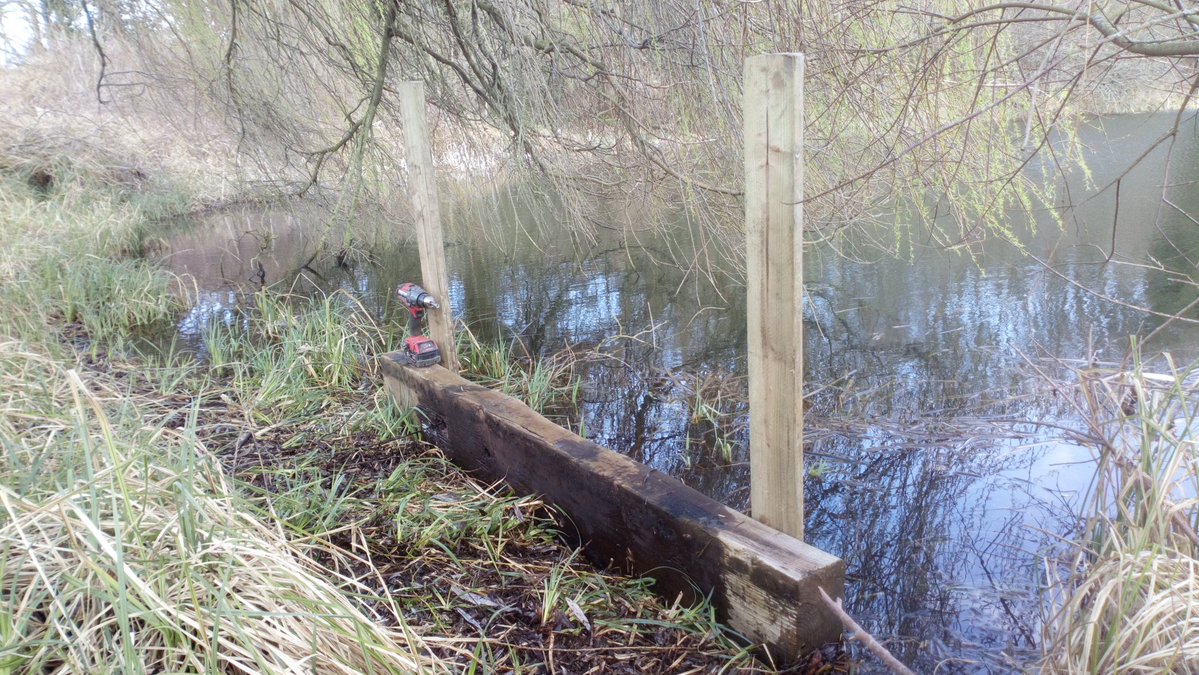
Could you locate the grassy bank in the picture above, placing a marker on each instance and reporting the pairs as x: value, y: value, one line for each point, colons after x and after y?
x: 269, y: 510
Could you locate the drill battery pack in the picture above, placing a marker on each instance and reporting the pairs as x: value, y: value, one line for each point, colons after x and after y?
x: 421, y: 351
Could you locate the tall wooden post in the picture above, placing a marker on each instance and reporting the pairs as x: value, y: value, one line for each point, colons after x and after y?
x: 422, y: 182
x: 773, y: 112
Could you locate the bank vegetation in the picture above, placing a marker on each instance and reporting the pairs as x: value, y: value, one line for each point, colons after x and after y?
x: 265, y: 508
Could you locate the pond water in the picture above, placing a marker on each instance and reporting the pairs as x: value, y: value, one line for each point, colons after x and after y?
x: 933, y: 471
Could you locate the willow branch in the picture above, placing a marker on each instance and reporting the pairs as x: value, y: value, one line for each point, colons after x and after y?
x: 372, y: 107
x: 1191, y: 18
x: 91, y: 28
x: 1188, y: 46
x: 618, y: 99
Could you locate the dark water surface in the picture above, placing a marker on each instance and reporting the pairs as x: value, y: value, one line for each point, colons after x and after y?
x: 931, y: 471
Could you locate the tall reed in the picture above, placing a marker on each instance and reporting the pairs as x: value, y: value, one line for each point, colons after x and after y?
x: 1126, y: 598
x: 293, y: 356
x: 125, y: 549
x: 538, y: 381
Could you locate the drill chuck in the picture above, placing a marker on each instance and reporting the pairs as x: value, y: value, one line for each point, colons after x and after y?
x: 416, y: 298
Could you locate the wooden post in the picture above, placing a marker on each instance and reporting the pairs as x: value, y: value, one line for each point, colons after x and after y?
x: 773, y: 112
x: 422, y: 182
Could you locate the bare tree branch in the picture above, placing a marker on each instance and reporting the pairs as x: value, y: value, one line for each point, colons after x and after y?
x: 1187, y: 46
x: 91, y: 29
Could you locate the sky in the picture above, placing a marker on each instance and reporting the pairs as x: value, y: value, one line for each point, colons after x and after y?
x: 14, y: 33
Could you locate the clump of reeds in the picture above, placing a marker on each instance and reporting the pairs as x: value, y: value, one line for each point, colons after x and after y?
x: 293, y: 355
x: 124, y: 549
x: 1126, y: 599
x: 540, y: 382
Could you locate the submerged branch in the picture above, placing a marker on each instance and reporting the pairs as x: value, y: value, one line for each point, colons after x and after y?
x: 858, y: 633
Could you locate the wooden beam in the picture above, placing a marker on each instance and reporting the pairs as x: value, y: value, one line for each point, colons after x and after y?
x: 773, y: 111
x: 422, y: 185
x: 763, y: 583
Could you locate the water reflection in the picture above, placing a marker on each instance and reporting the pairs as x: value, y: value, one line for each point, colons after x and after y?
x: 929, y: 472
x: 211, y: 308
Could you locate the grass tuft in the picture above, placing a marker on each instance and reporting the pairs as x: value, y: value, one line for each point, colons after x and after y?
x: 131, y: 552
x: 295, y: 356
x: 1126, y: 599
x: 542, y: 383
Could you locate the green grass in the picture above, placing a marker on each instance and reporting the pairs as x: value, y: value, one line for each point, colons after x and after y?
x: 126, y: 549
x: 542, y: 383
x: 111, y: 300
x: 125, y: 546
x: 296, y: 356
x: 714, y: 407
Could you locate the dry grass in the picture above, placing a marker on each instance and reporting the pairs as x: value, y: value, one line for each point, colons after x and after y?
x: 126, y: 549
x: 1127, y: 598
x: 54, y: 129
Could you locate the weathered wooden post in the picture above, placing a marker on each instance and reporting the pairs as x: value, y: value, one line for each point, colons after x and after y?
x: 773, y: 111
x: 422, y: 183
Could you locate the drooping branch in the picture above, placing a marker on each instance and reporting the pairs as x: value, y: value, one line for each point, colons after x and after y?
x: 367, y: 119
x: 622, y: 95
x: 617, y: 97
x: 91, y: 29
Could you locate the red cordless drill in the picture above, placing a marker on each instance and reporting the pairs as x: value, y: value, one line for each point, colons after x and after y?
x: 420, y: 350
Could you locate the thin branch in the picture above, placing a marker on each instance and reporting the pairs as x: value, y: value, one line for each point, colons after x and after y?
x: 856, y: 632
x: 368, y: 116
x: 1115, y: 221
x: 1174, y: 47
x: 91, y: 28
x: 1108, y: 298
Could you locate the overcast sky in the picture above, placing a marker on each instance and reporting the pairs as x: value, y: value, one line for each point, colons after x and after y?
x: 14, y: 31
